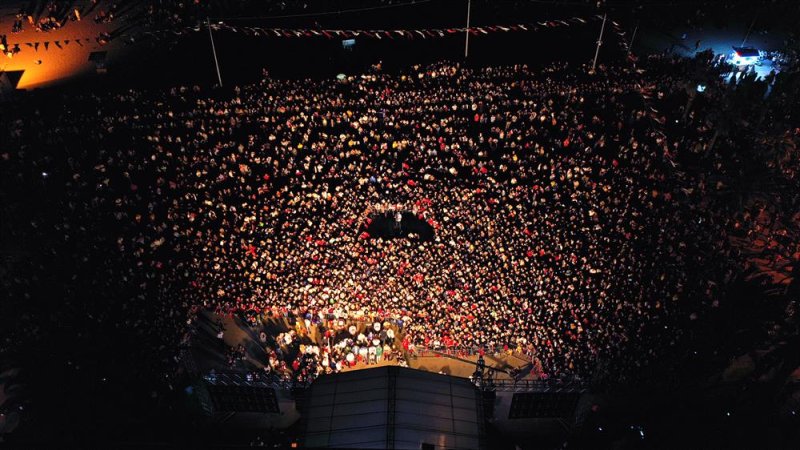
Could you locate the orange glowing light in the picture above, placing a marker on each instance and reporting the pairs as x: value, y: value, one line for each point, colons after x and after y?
x: 65, y: 56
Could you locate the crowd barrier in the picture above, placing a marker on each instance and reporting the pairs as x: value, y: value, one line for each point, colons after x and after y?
x: 253, y: 379
x: 466, y: 352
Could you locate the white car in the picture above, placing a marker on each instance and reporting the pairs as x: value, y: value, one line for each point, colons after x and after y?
x: 745, y: 56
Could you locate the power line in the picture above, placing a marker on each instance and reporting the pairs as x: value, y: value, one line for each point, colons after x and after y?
x: 327, y: 13
x: 619, y: 3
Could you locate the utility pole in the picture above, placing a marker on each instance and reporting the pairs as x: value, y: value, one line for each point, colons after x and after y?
x: 633, y: 36
x: 749, y: 29
x: 599, y: 43
x: 214, y: 51
x: 466, y: 34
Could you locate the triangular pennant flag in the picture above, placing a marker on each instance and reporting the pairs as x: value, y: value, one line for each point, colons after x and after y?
x: 29, y: 44
x: 36, y: 46
x: 66, y: 41
x: 46, y: 45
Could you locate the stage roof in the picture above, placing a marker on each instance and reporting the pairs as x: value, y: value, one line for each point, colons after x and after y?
x: 393, y: 407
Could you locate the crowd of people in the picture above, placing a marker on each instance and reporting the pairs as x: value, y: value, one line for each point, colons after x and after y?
x: 564, y: 218
x: 299, y: 349
x: 541, y: 221
x: 48, y: 15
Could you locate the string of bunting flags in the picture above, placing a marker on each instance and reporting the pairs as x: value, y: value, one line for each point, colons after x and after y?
x: 393, y: 34
x: 646, y: 92
x: 10, y: 48
x: 425, y: 33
